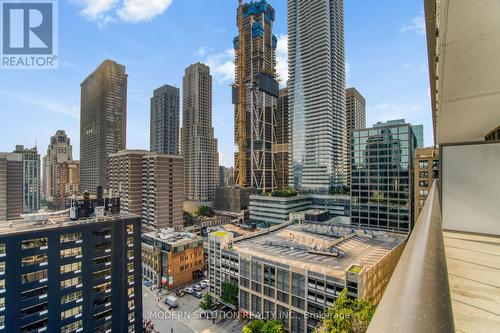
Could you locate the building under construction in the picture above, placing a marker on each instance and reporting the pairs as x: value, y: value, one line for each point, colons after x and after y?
x: 255, y: 96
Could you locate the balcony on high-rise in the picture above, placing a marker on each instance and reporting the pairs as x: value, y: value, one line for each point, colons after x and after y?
x: 448, y: 277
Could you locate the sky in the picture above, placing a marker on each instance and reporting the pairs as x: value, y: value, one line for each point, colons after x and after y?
x: 156, y: 40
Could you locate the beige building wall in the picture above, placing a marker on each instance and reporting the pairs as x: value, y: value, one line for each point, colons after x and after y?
x: 426, y: 170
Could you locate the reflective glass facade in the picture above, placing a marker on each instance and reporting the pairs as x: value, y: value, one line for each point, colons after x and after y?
x: 381, y: 174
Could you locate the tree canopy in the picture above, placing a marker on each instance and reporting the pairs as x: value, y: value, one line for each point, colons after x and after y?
x: 207, y: 302
x: 347, y: 315
x: 261, y: 326
x: 204, y: 211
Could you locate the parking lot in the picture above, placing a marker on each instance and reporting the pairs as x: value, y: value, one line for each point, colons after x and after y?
x: 186, y: 318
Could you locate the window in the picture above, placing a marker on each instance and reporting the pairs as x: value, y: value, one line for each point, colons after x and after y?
x: 423, y: 164
x: 75, y: 266
x: 71, y: 297
x: 33, y: 243
x: 130, y: 241
x: 71, y: 282
x: 71, y: 312
x: 2, y: 267
x: 130, y: 292
x: 298, y: 283
x: 71, y: 237
x: 72, y: 327
x: 102, y: 287
x: 2, y: 248
x: 36, y: 292
x: 34, y: 309
x: 102, y: 273
x: 33, y: 260
x: 34, y: 276
x: 130, y: 228
x: 75, y: 251
x: 130, y: 266
x: 130, y: 279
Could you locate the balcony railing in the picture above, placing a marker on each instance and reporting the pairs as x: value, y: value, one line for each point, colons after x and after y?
x: 417, y: 298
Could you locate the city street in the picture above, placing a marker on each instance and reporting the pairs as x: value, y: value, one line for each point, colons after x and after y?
x: 186, y: 318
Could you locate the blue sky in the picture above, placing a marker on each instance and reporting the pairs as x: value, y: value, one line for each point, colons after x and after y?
x: 157, y: 39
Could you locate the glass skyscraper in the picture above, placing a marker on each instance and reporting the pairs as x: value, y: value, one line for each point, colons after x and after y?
x: 381, y: 176
x: 317, y: 95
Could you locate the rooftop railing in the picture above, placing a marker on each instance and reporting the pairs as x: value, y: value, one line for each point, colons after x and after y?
x: 417, y: 298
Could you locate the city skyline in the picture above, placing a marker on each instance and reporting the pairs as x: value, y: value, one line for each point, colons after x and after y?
x: 55, y: 105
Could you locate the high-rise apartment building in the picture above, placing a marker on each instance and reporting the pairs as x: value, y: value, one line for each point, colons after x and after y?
x: 226, y: 176
x: 255, y: 96
x: 317, y: 94
x: 425, y: 172
x: 149, y: 185
x: 164, y: 120
x: 31, y: 178
x: 60, y: 276
x: 418, y: 130
x: 103, y: 122
x: 199, y: 146
x: 11, y: 186
x: 356, y: 119
x: 281, y: 148
x: 382, y: 176
x: 58, y: 151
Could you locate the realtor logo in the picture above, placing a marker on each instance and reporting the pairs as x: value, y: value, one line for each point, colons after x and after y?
x: 29, y: 34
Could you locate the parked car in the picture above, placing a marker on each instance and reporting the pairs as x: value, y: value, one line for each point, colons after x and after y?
x: 203, y: 285
x: 205, y: 282
x: 172, y: 302
x: 180, y: 292
x: 197, y: 287
x: 197, y: 294
x: 189, y: 290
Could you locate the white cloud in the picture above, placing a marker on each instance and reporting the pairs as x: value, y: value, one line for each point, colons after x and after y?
x: 282, y: 59
x: 142, y: 10
x: 417, y: 25
x: 221, y: 65
x: 202, y: 51
x: 109, y: 11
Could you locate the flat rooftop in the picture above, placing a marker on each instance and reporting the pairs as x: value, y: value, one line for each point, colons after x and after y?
x: 53, y: 222
x: 322, y: 248
x: 474, y: 274
x: 236, y: 230
x: 173, y: 237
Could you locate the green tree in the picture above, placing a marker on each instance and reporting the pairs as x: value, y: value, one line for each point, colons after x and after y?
x: 207, y: 302
x: 347, y: 315
x: 229, y: 293
x: 204, y: 211
x: 261, y: 326
x: 188, y: 219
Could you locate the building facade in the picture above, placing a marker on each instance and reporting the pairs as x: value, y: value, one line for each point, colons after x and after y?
x: 199, y: 146
x: 255, y: 96
x: 71, y: 277
x: 382, y: 176
x: 31, y: 178
x: 150, y: 185
x: 426, y: 171
x: 316, y: 88
x: 268, y: 210
x: 164, y: 120
x: 281, y: 148
x: 103, y: 122
x: 172, y: 259
x: 356, y: 119
x: 226, y: 176
x: 68, y: 175
x: 58, y: 151
x: 293, y: 273
x: 11, y: 186
x: 493, y: 135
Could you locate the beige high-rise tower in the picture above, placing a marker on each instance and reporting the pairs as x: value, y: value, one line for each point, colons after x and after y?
x: 199, y: 146
x: 356, y: 119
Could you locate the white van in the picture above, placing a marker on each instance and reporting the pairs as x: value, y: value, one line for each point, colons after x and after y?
x: 172, y: 302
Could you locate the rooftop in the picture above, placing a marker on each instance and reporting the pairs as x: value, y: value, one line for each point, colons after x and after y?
x: 49, y: 221
x: 172, y: 237
x: 322, y: 248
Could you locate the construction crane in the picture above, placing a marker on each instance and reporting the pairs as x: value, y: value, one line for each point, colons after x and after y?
x: 241, y: 162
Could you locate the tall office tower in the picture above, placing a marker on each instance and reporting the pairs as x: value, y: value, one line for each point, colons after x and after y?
x: 103, y: 122
x: 11, y: 186
x: 255, y: 96
x: 150, y: 185
x: 164, y: 120
x: 382, y: 176
x: 31, y: 178
x: 281, y: 148
x: 68, y: 175
x: 356, y: 119
x: 199, y: 146
x: 426, y: 171
x: 226, y: 176
x: 418, y: 130
x: 317, y: 94
x: 59, y: 151
x: 62, y: 276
